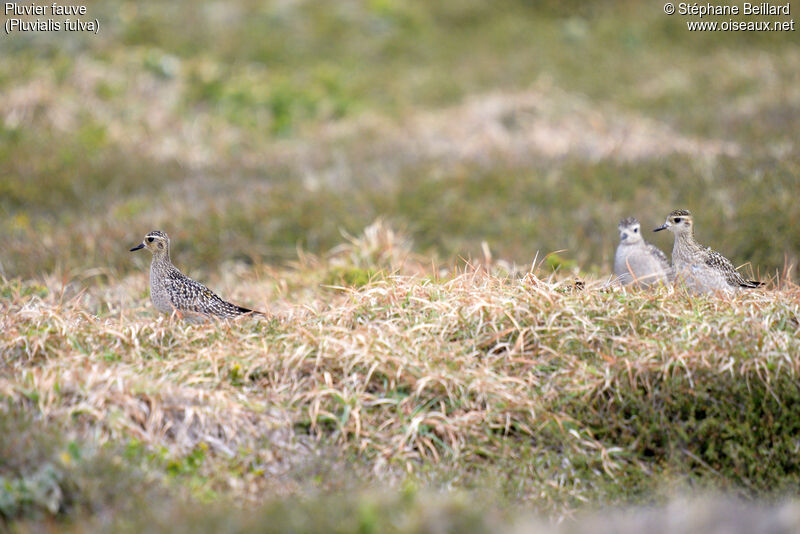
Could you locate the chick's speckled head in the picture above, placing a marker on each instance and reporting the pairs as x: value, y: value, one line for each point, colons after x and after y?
x: 629, y: 231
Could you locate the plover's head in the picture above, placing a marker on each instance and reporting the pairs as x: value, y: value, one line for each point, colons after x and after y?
x: 629, y: 231
x: 156, y: 242
x: 678, y: 222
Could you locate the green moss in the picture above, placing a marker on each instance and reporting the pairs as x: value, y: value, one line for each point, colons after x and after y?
x: 351, y: 276
x: 44, y: 475
x: 14, y: 289
x: 557, y: 263
x: 727, y: 431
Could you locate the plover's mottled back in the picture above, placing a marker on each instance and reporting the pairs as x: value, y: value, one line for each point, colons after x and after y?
x: 637, y: 261
x: 171, y: 290
x: 701, y: 269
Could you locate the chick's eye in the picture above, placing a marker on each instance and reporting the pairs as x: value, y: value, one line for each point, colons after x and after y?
x: 635, y: 230
x: 150, y: 239
x: 677, y: 220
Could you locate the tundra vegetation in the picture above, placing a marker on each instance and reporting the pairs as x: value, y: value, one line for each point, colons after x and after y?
x: 424, y: 197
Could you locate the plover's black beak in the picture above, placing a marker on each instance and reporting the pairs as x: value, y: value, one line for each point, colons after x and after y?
x: 662, y: 227
x: 140, y: 246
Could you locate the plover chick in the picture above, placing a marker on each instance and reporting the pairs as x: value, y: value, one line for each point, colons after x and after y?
x: 637, y: 261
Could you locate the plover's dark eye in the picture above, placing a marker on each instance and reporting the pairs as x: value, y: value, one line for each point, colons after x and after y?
x: 635, y: 230
x: 677, y: 220
x: 151, y: 239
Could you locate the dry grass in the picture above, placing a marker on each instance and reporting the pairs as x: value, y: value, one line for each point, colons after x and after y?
x: 473, y: 369
x: 483, y: 131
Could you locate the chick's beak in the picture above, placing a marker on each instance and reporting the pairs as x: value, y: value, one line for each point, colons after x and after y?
x: 138, y: 247
x: 662, y: 227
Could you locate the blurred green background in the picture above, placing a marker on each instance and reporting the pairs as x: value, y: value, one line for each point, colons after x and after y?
x: 246, y: 129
